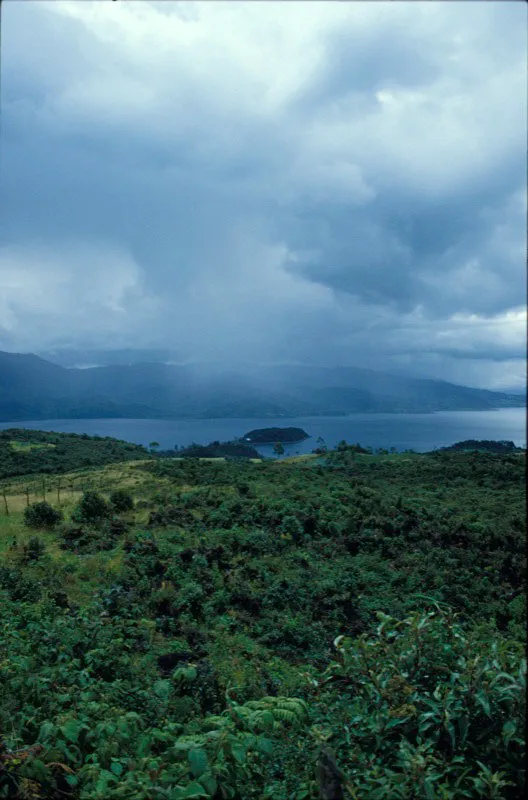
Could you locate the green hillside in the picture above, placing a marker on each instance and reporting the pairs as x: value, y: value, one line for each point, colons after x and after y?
x: 350, y: 626
x: 23, y: 452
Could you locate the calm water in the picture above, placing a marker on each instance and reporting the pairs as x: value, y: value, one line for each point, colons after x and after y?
x: 420, y: 432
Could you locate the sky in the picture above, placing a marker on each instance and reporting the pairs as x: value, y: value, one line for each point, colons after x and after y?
x: 297, y: 182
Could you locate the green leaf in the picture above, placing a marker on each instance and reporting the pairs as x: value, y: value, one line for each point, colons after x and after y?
x: 483, y: 701
x: 394, y: 722
x: 38, y: 769
x: 266, y: 719
x: 238, y: 752
x: 452, y: 734
x: 264, y: 745
x: 208, y: 781
x: 162, y: 689
x: 105, y: 777
x: 143, y: 746
x: 429, y: 790
x: 117, y: 768
x: 508, y: 730
x: 72, y: 729
x: 192, y: 790
x: 46, y: 729
x: 198, y: 762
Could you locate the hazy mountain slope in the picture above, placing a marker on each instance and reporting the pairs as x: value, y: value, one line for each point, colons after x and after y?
x: 33, y: 388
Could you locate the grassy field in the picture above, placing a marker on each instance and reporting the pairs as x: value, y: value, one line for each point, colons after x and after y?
x: 26, y: 447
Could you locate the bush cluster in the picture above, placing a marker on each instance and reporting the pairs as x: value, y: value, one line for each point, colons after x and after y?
x: 42, y: 515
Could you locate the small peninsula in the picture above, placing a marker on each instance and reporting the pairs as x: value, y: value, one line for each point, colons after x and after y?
x: 273, y: 435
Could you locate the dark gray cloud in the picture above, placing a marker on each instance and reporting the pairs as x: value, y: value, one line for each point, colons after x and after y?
x: 314, y: 182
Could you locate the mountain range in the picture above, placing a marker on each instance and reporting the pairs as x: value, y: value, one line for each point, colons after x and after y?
x: 34, y: 388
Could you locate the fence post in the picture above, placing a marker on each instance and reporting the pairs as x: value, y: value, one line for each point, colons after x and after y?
x: 58, y: 492
x: 5, y: 501
x: 27, y: 495
x: 43, y: 489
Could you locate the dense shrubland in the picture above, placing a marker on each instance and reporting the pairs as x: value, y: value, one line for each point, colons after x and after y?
x: 350, y: 626
x: 230, y: 450
x: 23, y: 452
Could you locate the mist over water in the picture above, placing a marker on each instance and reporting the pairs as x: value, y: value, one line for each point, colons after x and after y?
x: 420, y: 432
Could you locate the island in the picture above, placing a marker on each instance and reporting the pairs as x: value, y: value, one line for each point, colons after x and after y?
x: 274, y: 435
x: 501, y: 446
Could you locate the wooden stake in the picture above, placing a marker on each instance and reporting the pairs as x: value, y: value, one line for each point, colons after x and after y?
x: 27, y: 496
x: 44, y: 489
x: 6, y: 506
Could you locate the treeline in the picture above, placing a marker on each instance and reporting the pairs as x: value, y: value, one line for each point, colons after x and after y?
x: 215, y: 449
x: 484, y: 445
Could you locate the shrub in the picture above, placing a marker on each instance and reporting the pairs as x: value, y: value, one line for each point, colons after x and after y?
x: 291, y: 526
x: 34, y: 549
x: 91, y: 539
x: 116, y: 527
x: 73, y: 537
x: 92, y: 507
x: 442, y: 708
x: 122, y: 500
x: 18, y: 587
x: 42, y: 515
x: 170, y: 515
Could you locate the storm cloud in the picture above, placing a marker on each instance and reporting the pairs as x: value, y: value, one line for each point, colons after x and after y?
x: 338, y: 183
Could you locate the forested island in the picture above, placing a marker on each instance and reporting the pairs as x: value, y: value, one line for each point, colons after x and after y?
x: 336, y: 626
x: 485, y: 445
x: 272, y: 435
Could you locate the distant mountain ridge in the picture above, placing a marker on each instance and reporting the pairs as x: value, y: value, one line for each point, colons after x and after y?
x: 34, y: 388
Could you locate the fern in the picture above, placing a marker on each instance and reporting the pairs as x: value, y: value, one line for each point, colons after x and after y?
x: 271, y: 713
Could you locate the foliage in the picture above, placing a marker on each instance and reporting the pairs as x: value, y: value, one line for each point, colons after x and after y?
x: 42, y: 515
x: 235, y: 449
x: 122, y: 500
x: 86, y: 538
x: 270, y: 435
x: 34, y: 549
x: 484, y: 445
x: 92, y: 508
x: 426, y: 709
x: 63, y: 452
x: 350, y: 626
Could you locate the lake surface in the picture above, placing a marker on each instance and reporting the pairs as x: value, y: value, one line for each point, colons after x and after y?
x: 420, y: 432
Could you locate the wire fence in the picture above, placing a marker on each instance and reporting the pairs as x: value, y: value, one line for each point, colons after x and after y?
x: 54, y: 491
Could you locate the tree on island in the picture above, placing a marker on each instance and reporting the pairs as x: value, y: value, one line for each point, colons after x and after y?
x: 278, y: 449
x: 154, y: 446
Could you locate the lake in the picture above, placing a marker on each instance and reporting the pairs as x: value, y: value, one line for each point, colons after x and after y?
x: 420, y: 432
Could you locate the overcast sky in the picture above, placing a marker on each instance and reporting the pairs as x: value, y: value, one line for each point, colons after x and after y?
x: 316, y: 182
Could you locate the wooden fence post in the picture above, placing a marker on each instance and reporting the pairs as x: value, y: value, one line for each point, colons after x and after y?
x: 5, y: 501
x: 43, y: 489
x: 27, y: 495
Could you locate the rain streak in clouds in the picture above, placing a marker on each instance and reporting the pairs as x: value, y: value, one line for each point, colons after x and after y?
x: 337, y: 183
